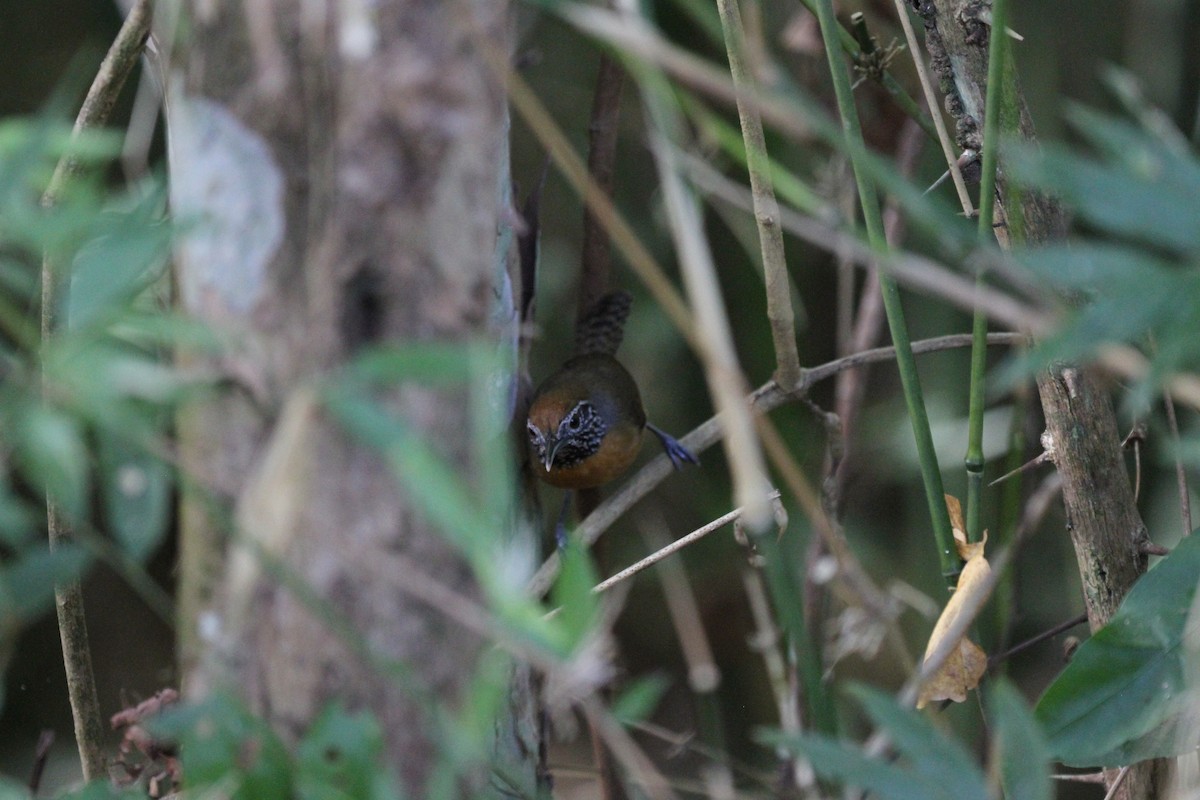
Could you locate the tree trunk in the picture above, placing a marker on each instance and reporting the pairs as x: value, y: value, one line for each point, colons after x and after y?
x: 343, y: 167
x: 1106, y: 529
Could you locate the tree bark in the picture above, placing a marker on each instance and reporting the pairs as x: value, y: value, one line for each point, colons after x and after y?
x: 343, y: 167
x: 1102, y: 516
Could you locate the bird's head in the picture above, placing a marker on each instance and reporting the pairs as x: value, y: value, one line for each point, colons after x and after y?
x: 562, y: 434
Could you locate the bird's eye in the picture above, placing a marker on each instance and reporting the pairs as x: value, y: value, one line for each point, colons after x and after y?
x: 532, y: 431
x: 574, y: 422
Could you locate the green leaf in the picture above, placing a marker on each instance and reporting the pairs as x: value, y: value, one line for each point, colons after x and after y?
x: 428, y: 363
x: 639, y: 699
x: 18, y: 519
x: 934, y: 767
x: 836, y: 761
x: 1024, y: 756
x: 11, y: 790
x: 104, y: 790
x: 1122, y: 696
x: 572, y: 593
x: 136, y: 493
x: 1095, y: 267
x: 338, y: 758
x: 127, y: 254
x: 50, y: 449
x: 941, y: 760
x: 221, y: 742
x: 1150, y: 199
x: 27, y: 582
x: 423, y: 474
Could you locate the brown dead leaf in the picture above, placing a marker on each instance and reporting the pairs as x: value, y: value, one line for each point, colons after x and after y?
x: 956, y: 518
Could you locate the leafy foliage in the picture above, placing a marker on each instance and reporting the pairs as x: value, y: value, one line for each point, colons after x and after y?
x: 81, y: 414
x: 1138, y: 251
x: 226, y: 748
x: 933, y: 765
x: 1122, y: 697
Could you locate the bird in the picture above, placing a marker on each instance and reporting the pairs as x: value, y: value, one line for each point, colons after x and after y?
x: 586, y: 421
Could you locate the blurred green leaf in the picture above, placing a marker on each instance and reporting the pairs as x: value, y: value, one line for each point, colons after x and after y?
x: 339, y: 758
x: 221, y: 742
x: 940, y: 760
x: 11, y: 790
x: 136, y: 490
x: 572, y: 594
x: 1024, y: 756
x: 104, y: 790
x: 1096, y: 267
x: 847, y: 765
x: 1122, y: 697
x: 19, y: 520
x: 423, y: 474
x: 27, y: 581
x: 49, y: 447
x: 640, y: 698
x: 125, y: 255
x: 428, y: 363
x: 1150, y: 198
x: 1131, y: 294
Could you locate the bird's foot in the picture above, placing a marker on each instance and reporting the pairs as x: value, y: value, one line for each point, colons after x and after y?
x: 560, y: 526
x: 674, y: 450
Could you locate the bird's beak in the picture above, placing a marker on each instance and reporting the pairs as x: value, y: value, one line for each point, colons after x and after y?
x: 551, y: 449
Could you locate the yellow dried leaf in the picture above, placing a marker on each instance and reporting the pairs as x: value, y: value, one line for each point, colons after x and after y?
x: 963, y: 670
x: 960, y: 674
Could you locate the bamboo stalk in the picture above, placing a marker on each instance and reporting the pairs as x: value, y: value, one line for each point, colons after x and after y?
x: 873, y: 219
x: 974, y: 461
x: 766, y: 209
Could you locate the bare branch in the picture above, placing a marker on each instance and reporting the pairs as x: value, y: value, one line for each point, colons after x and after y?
x: 766, y: 208
x: 72, y: 626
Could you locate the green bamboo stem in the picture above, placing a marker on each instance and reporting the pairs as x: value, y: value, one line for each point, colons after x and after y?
x: 873, y: 219
x: 974, y: 462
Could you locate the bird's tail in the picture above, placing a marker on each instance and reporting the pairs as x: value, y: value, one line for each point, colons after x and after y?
x: 603, y: 328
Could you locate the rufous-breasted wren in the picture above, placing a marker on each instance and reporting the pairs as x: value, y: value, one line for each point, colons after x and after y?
x: 586, y: 421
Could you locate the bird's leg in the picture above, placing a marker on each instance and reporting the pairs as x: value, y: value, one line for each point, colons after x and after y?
x: 674, y: 450
x: 560, y: 527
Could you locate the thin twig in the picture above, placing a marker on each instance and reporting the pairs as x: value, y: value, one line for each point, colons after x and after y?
x: 1081, y: 777
x: 766, y: 208
x: 763, y: 400
x: 717, y: 354
x: 915, y: 271
x: 641, y: 769
x: 77, y: 658
x: 671, y: 549
x: 931, y: 100
x: 1041, y: 637
x: 1116, y: 784
x: 703, y: 674
x: 765, y: 642
x: 41, y: 754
